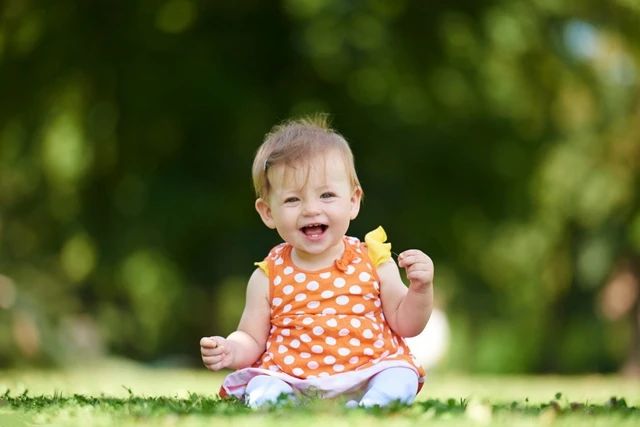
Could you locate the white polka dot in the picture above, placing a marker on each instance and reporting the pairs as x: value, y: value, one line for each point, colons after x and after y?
x: 369, y: 297
x: 300, y: 277
x: 343, y: 332
x: 298, y: 372
x: 289, y: 360
x: 368, y: 351
x: 326, y: 294
x: 279, y: 261
x: 313, y: 364
x: 378, y: 344
x: 307, y: 321
x: 286, y: 332
x: 354, y: 360
x: 274, y: 368
x: 350, y: 269
x: 294, y: 344
x: 377, y: 303
x: 277, y: 280
x: 286, y: 308
x: 318, y: 330
x: 356, y: 323
x: 342, y: 300
x: 339, y: 282
x: 332, y: 323
x: 354, y: 342
x: 279, y: 338
x: 338, y: 368
x: 329, y: 360
x: 358, y: 308
x: 367, y: 333
x: 343, y: 351
x: 277, y: 301
x: 305, y: 355
x: 364, y: 276
x: 282, y: 349
x: 305, y: 338
x: 288, y: 270
x: 325, y: 275
x: 313, y: 285
x: 329, y: 311
x: 287, y: 290
x: 356, y: 260
x: 301, y: 297
x: 330, y: 341
x: 355, y: 289
x: 317, y: 348
x: 313, y: 304
x: 286, y: 321
x: 376, y: 285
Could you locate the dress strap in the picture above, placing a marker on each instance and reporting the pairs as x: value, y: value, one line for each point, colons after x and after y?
x: 347, y: 256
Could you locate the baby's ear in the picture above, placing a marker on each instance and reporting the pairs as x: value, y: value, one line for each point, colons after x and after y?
x: 262, y: 206
x: 356, y: 198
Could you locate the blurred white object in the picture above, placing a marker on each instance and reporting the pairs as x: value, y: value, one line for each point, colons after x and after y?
x: 430, y: 346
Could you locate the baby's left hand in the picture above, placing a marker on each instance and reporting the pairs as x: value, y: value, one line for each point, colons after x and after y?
x: 419, y: 268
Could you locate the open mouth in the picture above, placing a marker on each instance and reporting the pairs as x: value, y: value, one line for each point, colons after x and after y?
x: 314, y: 229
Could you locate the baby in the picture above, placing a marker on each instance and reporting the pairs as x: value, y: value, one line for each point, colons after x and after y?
x: 325, y: 314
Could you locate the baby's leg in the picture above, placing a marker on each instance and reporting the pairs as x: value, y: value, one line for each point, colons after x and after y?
x: 391, y: 385
x: 265, y: 389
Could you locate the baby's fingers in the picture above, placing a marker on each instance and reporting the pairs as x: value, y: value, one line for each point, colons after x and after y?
x: 411, y: 257
x: 212, y: 346
x: 419, y: 275
x: 209, y: 342
x: 212, y: 360
x: 207, y: 352
x: 218, y: 361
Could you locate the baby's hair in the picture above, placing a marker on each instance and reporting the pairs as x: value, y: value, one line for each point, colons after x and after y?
x: 295, y: 141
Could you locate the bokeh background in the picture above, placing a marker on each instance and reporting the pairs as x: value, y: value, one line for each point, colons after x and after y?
x: 502, y: 137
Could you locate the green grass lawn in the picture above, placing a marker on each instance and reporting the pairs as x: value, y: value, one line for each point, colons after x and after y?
x: 118, y: 393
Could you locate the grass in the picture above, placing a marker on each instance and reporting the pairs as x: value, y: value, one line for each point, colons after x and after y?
x: 118, y: 393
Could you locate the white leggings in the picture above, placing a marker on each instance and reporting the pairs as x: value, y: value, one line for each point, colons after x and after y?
x: 388, y: 386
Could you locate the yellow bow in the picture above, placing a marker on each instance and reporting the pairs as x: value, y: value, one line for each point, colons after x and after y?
x: 379, y: 252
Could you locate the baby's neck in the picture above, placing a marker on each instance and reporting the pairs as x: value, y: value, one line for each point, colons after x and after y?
x: 313, y: 262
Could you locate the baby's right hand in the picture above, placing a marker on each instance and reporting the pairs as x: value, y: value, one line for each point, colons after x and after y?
x: 216, y: 353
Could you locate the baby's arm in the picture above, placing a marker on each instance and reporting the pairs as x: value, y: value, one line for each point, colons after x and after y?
x: 407, y: 310
x: 245, y: 345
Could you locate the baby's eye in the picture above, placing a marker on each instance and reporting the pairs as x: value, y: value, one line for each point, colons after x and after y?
x: 328, y: 195
x: 291, y: 200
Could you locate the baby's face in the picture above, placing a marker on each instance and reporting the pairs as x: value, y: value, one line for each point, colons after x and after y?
x: 311, y: 204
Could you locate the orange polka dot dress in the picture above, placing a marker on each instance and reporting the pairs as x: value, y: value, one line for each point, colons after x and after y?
x: 328, y: 332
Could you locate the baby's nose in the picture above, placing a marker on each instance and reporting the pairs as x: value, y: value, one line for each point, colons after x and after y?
x: 311, y: 207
